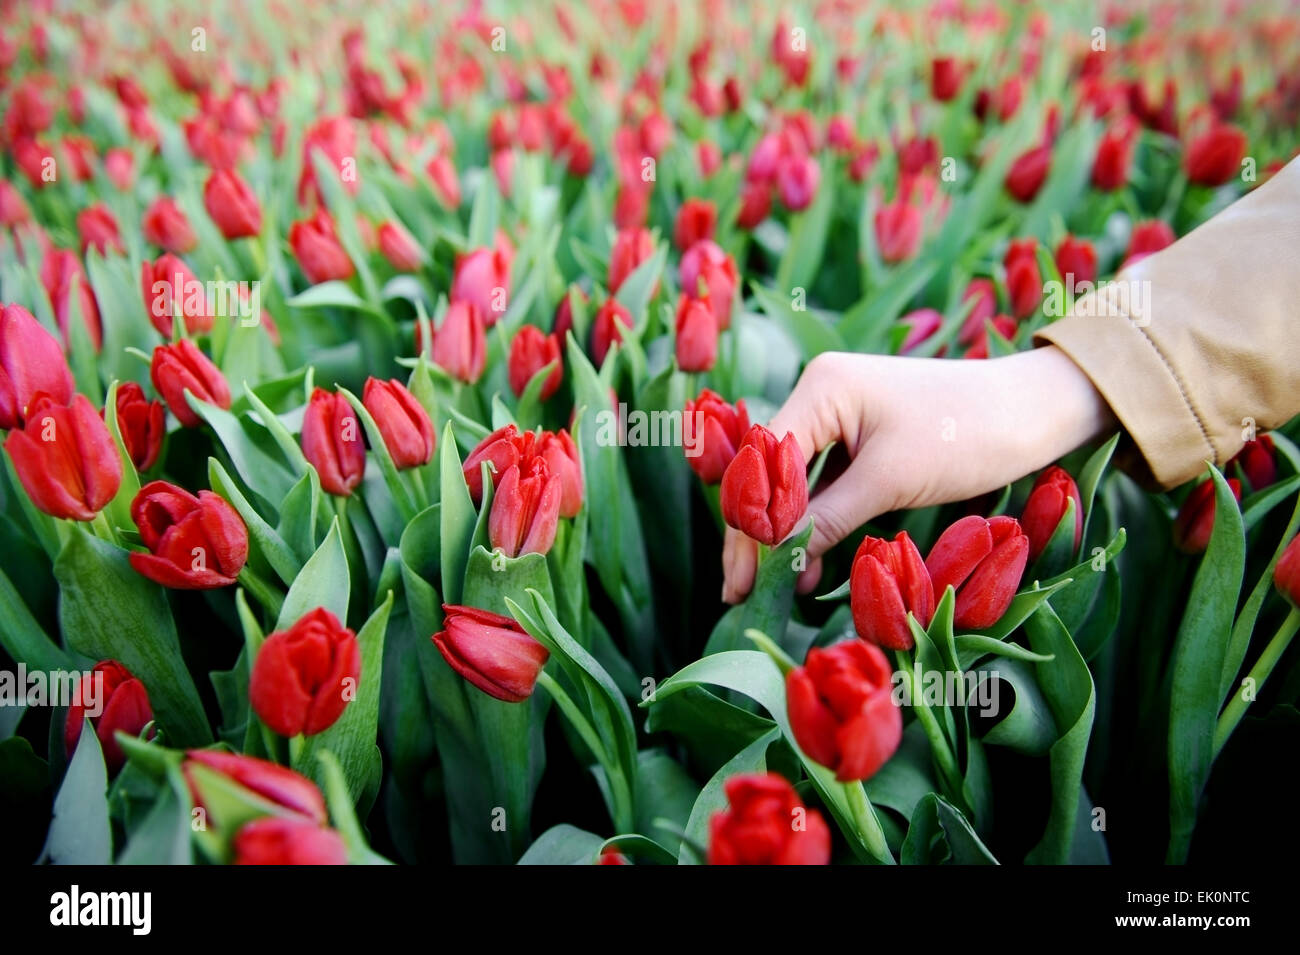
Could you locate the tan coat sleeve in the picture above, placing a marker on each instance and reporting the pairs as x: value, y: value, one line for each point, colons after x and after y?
x: 1196, y: 344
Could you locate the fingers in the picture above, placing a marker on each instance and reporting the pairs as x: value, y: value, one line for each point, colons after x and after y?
x: 809, y: 413
x: 809, y: 579
x: 739, y: 564
x: 856, y: 497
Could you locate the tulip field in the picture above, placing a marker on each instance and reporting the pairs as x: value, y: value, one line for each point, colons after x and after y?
x: 380, y: 383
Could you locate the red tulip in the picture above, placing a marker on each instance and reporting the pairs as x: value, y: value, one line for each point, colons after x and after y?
x: 1257, y: 462
x: 122, y: 704
x: 1110, y: 170
x: 696, y: 220
x: 718, y: 429
x: 1215, y: 157
x: 1024, y: 280
x: 921, y: 324
x: 525, y: 509
x: 446, y: 185
x: 697, y: 335
x: 766, y: 824
x: 460, y: 342
x: 1147, y: 239
x: 1195, y: 520
x: 898, y: 230
x: 13, y: 208
x: 317, y: 248
x: 612, y: 856
x: 195, y: 543
x: 491, y: 651
x: 564, y: 316
x: 98, y: 230
x: 142, y: 424
x: 1004, y: 325
x: 282, y: 788
x: 917, y: 155
x: 232, y: 204
x: 888, y: 581
x: 985, y: 294
x: 709, y: 157
x: 505, y: 447
x: 945, y: 78
x: 399, y: 247
x: 530, y: 352
x: 1286, y: 573
x: 482, y: 279
x: 631, y: 248
x: 170, y: 289
x: 797, y: 178
x: 60, y: 271
x: 708, y: 272
x: 1076, y: 260
x: 765, y: 488
x: 983, y: 560
x: 402, y: 420
x: 276, y: 840
x: 1051, y: 495
x: 31, y: 362
x: 165, y: 224
x: 304, y: 677
x: 561, y: 456
x: 611, y: 323
x: 118, y: 165
x: 332, y: 442
x: 65, y: 458
x: 755, y: 204
x: 1028, y: 173
x: 181, y: 367
x: 841, y: 709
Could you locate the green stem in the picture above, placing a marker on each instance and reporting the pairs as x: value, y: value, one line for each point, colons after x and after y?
x: 933, y: 731
x: 866, y: 823
x: 102, y: 528
x: 267, y: 595
x: 620, y: 794
x: 1237, y: 705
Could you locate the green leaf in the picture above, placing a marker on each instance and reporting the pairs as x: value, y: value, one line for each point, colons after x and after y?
x: 457, y: 521
x: 109, y: 612
x: 563, y: 845
x: 939, y: 834
x: 163, y: 836
x: 638, y: 287
x: 1090, y: 479
x: 249, y: 446
x: 339, y: 800
x: 282, y: 558
x: 22, y: 637
x: 1200, y: 652
x: 713, y: 799
x: 79, y: 832
x: 323, y: 582
x: 813, y: 334
x: 767, y: 608
x: 808, y: 230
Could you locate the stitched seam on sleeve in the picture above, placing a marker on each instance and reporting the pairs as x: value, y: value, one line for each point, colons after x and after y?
x: 1182, y: 391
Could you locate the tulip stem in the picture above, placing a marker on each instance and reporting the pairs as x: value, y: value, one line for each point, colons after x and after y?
x: 939, y: 747
x: 266, y: 594
x: 620, y: 794
x: 103, y: 529
x: 866, y: 822
x: 1237, y: 705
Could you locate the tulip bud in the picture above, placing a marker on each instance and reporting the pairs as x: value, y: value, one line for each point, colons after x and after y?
x: 841, y: 708
x: 898, y: 230
x: 985, y: 294
x: 170, y: 289
x: 13, y: 208
x: 755, y: 204
x: 446, y: 186
x: 482, y: 279
x: 921, y: 324
x: 1286, y: 574
x: 402, y: 420
x: 31, y: 362
x: 505, y: 448
x: 612, y: 321
x: 1257, y: 462
x: 765, y: 488
x: 797, y: 178
x: 61, y: 272
x: 697, y: 335
x: 757, y: 827
x: 1215, y: 157
x: 181, y: 367
x: 98, y: 230
x: 1004, y: 325
x: 631, y: 248
x: 888, y: 581
x: 708, y: 272
x: 525, y: 509
x: 982, y: 559
x: 718, y: 429
x: 399, y: 247
x: 332, y: 442
x: 460, y: 342
x: 304, y: 677
x: 1028, y: 173
x: 1051, y: 495
x: 563, y: 323
x: 65, y: 458
x: 561, y: 456
x: 316, y: 247
x: 1147, y: 239
x: 194, y: 543
x: 696, y: 220
x: 262, y: 780
x: 1110, y: 170
x: 123, y: 704
x: 232, y: 204
x: 1024, y: 280
x: 945, y: 78
x: 530, y: 352
x: 166, y: 225
x: 142, y: 424
x: 491, y: 651
x: 276, y: 840
x: 1195, y: 520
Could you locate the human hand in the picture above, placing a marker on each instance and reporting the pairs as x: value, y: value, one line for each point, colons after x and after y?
x: 922, y: 431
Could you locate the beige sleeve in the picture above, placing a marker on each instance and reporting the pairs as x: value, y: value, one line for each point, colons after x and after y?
x: 1194, y: 345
